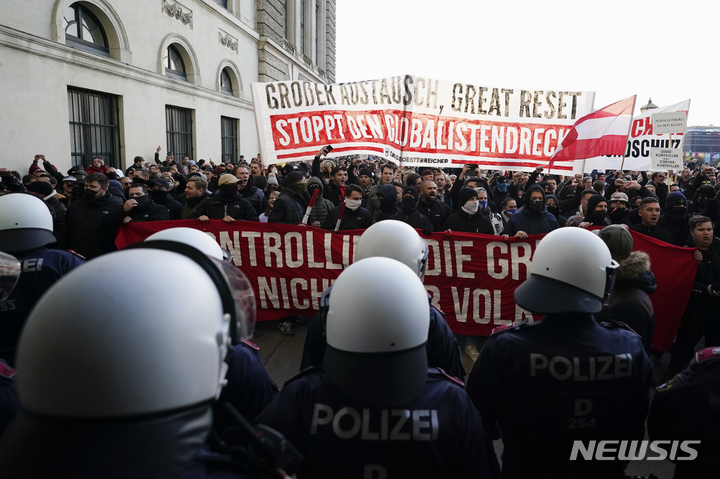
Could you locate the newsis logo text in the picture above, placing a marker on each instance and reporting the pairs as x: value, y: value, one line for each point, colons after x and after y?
x: 634, y: 450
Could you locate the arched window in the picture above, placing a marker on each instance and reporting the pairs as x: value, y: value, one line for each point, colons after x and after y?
x: 226, y: 87
x: 84, y: 31
x: 174, y: 64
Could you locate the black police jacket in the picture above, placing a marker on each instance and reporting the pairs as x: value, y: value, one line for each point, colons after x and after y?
x: 437, y: 434
x: 565, y: 378
x: 688, y: 409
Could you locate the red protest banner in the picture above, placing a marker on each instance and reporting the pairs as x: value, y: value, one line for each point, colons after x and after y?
x: 470, y: 277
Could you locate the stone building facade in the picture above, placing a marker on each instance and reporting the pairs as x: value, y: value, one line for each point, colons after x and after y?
x: 118, y: 78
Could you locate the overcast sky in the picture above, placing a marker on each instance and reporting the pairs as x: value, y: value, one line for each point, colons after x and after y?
x: 667, y: 50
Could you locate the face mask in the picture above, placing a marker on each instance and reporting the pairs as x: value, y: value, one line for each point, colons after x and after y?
x: 228, y: 192
x: 617, y: 214
x: 482, y: 205
x: 298, y: 187
x: 409, y: 204
x: 599, y: 215
x: 142, y: 201
x: 89, y: 195
x: 702, y: 203
x: 553, y: 210
x: 471, y: 207
x: 157, y: 195
x: 511, y: 211
x: 534, y: 205
x: 677, y: 212
x: 502, y: 187
x: 352, y: 204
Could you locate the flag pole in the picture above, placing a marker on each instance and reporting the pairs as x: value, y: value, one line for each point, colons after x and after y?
x: 622, y: 164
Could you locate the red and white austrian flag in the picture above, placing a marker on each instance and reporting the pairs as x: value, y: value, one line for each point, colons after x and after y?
x: 602, y: 132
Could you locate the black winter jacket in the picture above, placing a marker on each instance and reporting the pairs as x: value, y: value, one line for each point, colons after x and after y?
x: 151, y: 212
x: 90, y: 228
x: 463, y: 222
x: 351, y: 220
x: 289, y: 208
x: 215, y: 209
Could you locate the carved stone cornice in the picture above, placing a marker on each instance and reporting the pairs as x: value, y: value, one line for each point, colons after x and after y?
x: 228, y: 40
x: 179, y: 12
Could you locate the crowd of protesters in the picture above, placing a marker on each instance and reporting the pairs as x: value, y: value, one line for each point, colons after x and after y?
x: 88, y: 206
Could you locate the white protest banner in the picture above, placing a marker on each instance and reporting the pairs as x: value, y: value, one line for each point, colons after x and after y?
x: 417, y: 121
x: 672, y: 122
x: 666, y: 159
x: 641, y: 140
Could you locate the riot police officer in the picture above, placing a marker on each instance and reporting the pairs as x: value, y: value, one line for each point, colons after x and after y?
x: 396, y: 240
x: 26, y: 228
x: 556, y: 384
x: 249, y: 387
x: 374, y: 409
x: 687, y: 409
x: 112, y: 385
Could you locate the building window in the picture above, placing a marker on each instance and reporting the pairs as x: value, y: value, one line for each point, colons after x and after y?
x: 174, y: 64
x: 178, y: 122
x: 228, y: 136
x: 317, y: 32
x: 93, y: 127
x: 84, y: 31
x: 302, y: 27
x: 286, y: 16
x: 226, y: 87
x: 222, y: 3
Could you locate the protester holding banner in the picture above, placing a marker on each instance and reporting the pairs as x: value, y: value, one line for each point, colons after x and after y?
x: 354, y: 216
x: 409, y: 212
x: 387, y: 174
x: 290, y: 206
x: 322, y: 206
x: 675, y: 219
x: 533, y: 218
x: 702, y: 313
x: 431, y: 207
x: 650, y: 214
x: 226, y: 203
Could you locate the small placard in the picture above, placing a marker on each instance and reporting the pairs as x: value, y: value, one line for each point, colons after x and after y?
x: 666, y: 159
x: 671, y: 122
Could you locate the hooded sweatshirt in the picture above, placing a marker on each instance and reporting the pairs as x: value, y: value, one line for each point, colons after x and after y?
x: 532, y: 222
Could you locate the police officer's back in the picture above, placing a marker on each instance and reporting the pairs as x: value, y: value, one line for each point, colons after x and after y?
x: 565, y: 378
x: 26, y: 228
x: 374, y: 409
x: 688, y: 409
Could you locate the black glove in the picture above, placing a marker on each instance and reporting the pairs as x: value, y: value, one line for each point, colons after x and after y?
x: 715, y: 290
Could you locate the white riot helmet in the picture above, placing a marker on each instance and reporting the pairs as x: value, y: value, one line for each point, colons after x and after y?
x: 112, y: 374
x: 397, y: 240
x: 376, y: 332
x: 190, y: 236
x: 25, y: 223
x: 571, y: 271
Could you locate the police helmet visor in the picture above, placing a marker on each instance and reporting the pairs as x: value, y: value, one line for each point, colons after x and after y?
x: 236, y: 293
x: 10, y: 269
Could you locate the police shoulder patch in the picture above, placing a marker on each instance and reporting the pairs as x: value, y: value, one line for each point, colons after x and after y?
x: 511, y: 327
x: 251, y: 345
x: 707, y: 354
x: 77, y: 254
x: 440, y: 373
x: 6, y: 372
x: 617, y: 324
